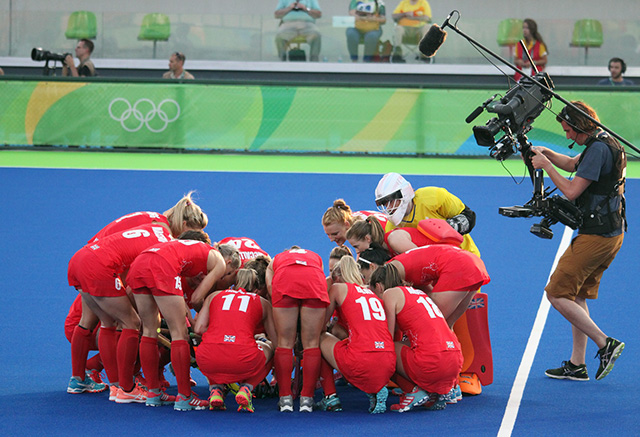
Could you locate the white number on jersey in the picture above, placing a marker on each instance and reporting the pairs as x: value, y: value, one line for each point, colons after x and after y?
x: 430, y: 306
x: 228, y: 299
x: 135, y: 233
x: 371, y: 306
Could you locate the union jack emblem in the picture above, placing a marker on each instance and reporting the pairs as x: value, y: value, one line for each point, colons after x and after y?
x: 476, y: 302
x: 379, y: 344
x: 450, y: 345
x: 230, y: 338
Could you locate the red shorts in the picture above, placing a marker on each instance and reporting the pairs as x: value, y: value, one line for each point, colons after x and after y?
x: 435, y: 372
x: 228, y: 363
x: 290, y: 302
x: 300, y: 283
x: 88, y: 274
x: 368, y: 371
x: 152, y: 274
x: 468, y: 273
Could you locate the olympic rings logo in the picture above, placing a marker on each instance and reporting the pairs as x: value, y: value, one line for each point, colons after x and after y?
x: 145, y: 120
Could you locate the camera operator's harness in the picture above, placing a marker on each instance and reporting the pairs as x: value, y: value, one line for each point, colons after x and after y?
x: 597, y: 221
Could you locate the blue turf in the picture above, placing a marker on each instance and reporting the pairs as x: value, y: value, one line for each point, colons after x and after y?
x: 48, y: 214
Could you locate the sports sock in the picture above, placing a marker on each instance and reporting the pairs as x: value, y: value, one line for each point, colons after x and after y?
x: 149, y: 360
x: 327, y: 381
x: 283, y: 362
x: 80, y: 345
x: 181, y: 359
x: 94, y: 363
x: 127, y: 353
x: 404, y: 384
x: 311, y: 361
x: 107, y: 343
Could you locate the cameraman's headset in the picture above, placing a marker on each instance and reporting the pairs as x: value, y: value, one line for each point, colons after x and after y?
x: 564, y: 116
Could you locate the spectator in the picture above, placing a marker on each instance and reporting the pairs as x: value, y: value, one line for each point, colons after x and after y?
x: 617, y: 68
x: 1, y: 72
x: 176, y: 67
x: 85, y: 68
x: 535, y: 46
x: 412, y: 17
x: 370, y: 15
x: 298, y: 18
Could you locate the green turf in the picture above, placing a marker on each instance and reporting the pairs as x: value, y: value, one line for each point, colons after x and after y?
x: 267, y: 163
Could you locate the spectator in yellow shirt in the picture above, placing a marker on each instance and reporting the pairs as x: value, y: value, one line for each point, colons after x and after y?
x: 412, y: 18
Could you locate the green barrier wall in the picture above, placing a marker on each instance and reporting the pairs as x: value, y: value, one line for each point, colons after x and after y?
x: 271, y: 118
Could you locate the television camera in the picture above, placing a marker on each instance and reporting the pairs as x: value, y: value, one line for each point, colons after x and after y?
x: 516, y: 112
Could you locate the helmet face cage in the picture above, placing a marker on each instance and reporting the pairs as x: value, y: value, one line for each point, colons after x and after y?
x: 393, y: 196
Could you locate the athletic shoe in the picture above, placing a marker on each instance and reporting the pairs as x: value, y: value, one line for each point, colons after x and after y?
x: 329, y: 403
x: 113, y: 392
x: 156, y: 398
x: 87, y: 385
x: 401, y: 401
x: 190, y: 403
x: 568, y: 370
x: 306, y: 404
x: 608, y: 356
x: 435, y: 401
x: 414, y: 399
x: 233, y: 388
x: 137, y: 395
x: 286, y: 404
x: 397, y: 392
x: 451, y: 398
x: 380, y: 405
x: 139, y: 380
x: 470, y: 384
x: 244, y: 398
x: 458, y: 392
x: 216, y: 400
x: 95, y: 375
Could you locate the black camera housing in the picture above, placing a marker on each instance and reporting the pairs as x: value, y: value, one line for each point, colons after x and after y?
x: 38, y: 54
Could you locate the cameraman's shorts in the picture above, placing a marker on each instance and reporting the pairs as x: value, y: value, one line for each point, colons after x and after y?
x: 581, y: 266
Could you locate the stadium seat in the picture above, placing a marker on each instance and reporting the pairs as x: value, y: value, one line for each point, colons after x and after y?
x: 410, y: 43
x: 81, y: 24
x: 587, y: 33
x: 295, y: 43
x: 509, y: 33
x: 155, y: 27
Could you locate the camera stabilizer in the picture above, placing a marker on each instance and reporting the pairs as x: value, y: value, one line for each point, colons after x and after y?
x: 516, y: 112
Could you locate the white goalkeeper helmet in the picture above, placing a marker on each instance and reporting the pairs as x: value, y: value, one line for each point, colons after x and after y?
x: 393, y: 196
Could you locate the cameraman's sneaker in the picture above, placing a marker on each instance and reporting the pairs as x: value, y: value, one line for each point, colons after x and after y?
x: 330, y: 403
x: 285, y: 404
x: 157, y: 398
x: 87, y: 385
x: 190, y: 403
x: 608, y: 356
x: 568, y: 370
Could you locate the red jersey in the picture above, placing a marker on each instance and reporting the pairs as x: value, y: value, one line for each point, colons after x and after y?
x: 184, y: 257
x: 422, y: 322
x: 363, y: 314
x: 448, y: 267
x: 247, y: 247
x: 417, y: 237
x: 380, y: 216
x: 234, y: 316
x: 129, y: 221
x: 117, y: 251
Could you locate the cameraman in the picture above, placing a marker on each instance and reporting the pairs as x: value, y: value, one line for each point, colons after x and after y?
x: 85, y: 68
x: 597, y: 190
